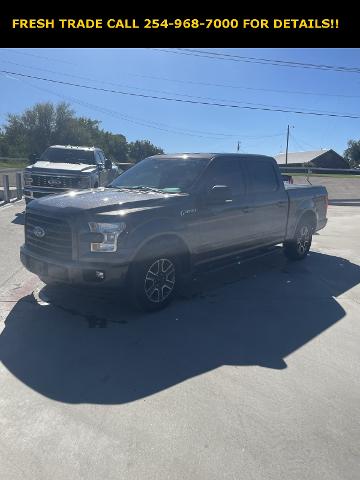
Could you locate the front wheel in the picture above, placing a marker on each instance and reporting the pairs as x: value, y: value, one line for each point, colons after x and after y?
x: 299, y: 247
x: 154, y: 282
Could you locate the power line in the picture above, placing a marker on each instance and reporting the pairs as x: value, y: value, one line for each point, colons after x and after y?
x: 241, y: 102
x: 178, y: 100
x: 190, y: 82
x: 296, y: 142
x: 300, y: 143
x: 126, y: 118
x: 243, y: 87
x: 151, y: 124
x: 36, y: 56
x: 257, y: 60
x: 137, y: 121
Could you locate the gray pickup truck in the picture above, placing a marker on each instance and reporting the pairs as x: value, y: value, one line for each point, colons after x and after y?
x: 64, y: 167
x: 165, y: 218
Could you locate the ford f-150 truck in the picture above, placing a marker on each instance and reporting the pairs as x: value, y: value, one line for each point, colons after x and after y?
x: 166, y: 217
x: 62, y: 168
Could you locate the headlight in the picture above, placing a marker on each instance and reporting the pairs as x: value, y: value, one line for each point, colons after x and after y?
x: 27, y: 179
x: 110, y: 232
x: 84, y: 182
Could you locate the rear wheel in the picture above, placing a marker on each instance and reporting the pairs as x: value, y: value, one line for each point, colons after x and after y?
x: 299, y: 247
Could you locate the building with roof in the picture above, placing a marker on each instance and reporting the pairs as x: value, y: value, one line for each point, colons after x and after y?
x: 315, y: 158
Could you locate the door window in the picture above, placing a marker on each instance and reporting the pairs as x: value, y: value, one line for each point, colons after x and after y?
x: 262, y: 176
x: 226, y: 171
x: 98, y: 158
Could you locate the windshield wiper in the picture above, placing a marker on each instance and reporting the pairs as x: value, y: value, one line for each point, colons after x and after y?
x: 143, y: 188
x: 65, y: 160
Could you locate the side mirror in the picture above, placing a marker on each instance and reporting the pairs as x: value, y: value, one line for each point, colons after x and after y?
x: 219, y: 194
x: 108, y: 164
x: 33, y: 158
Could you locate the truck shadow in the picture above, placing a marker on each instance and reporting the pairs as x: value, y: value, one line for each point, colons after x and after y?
x: 256, y: 314
x: 19, y: 218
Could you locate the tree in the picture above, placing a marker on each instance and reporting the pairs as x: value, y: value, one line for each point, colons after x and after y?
x: 352, y: 153
x: 47, y: 124
x: 115, y: 146
x: 37, y: 128
x: 141, y: 149
x: 4, y: 148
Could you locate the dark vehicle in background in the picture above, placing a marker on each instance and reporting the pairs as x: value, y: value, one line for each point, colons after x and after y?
x: 62, y: 168
x: 166, y: 217
x: 287, y: 179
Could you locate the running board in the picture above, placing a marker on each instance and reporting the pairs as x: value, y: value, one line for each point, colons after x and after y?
x: 239, y: 259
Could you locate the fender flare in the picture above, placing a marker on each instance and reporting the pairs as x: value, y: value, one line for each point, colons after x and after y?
x: 156, y: 231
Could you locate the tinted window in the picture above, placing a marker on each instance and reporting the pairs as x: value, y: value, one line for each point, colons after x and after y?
x: 102, y: 156
x: 169, y: 174
x: 226, y: 171
x: 262, y: 176
x: 68, y: 155
x: 98, y: 157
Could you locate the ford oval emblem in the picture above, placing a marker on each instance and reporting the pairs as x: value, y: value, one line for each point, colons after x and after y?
x: 54, y: 182
x: 39, y: 232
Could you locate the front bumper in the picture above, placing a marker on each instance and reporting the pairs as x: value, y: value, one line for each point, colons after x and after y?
x: 75, y: 273
x: 33, y: 193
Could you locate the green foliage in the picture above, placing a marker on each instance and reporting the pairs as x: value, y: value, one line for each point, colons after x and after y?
x: 141, y: 149
x: 47, y: 124
x: 352, y: 153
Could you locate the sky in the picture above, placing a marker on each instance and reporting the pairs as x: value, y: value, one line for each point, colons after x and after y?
x: 193, y: 127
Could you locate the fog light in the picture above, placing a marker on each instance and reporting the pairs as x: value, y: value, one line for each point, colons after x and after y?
x: 95, y: 276
x: 100, y: 275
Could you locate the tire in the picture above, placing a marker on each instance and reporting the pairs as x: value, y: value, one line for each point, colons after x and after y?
x: 298, y: 248
x: 154, y: 281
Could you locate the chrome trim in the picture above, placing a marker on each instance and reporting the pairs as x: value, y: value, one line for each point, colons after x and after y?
x: 52, y: 188
x: 70, y: 175
x: 38, y: 178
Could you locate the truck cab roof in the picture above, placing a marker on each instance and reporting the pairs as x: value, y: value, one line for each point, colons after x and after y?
x: 210, y: 155
x: 74, y: 147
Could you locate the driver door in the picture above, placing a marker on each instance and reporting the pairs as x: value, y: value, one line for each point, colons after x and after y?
x: 223, y: 227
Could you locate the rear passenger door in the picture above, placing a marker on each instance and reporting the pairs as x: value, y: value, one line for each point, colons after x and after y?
x: 223, y: 228
x: 267, y: 201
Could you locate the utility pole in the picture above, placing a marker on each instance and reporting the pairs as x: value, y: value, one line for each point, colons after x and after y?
x: 287, y: 144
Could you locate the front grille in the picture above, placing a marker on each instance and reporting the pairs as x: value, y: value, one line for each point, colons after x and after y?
x: 56, y: 241
x: 55, y: 181
x: 40, y: 194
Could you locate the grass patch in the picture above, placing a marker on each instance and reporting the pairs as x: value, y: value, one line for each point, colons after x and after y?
x: 330, y: 175
x: 13, y: 164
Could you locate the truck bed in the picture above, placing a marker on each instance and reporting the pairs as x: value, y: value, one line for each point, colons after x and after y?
x: 303, y: 197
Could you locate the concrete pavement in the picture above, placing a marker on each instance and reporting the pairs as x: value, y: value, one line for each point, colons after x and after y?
x: 344, y: 191
x: 253, y: 377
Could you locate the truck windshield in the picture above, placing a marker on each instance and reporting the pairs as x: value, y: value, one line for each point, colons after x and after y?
x: 65, y: 155
x: 172, y: 175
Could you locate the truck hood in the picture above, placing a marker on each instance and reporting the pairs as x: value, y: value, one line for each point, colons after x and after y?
x: 101, y: 200
x: 52, y: 167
